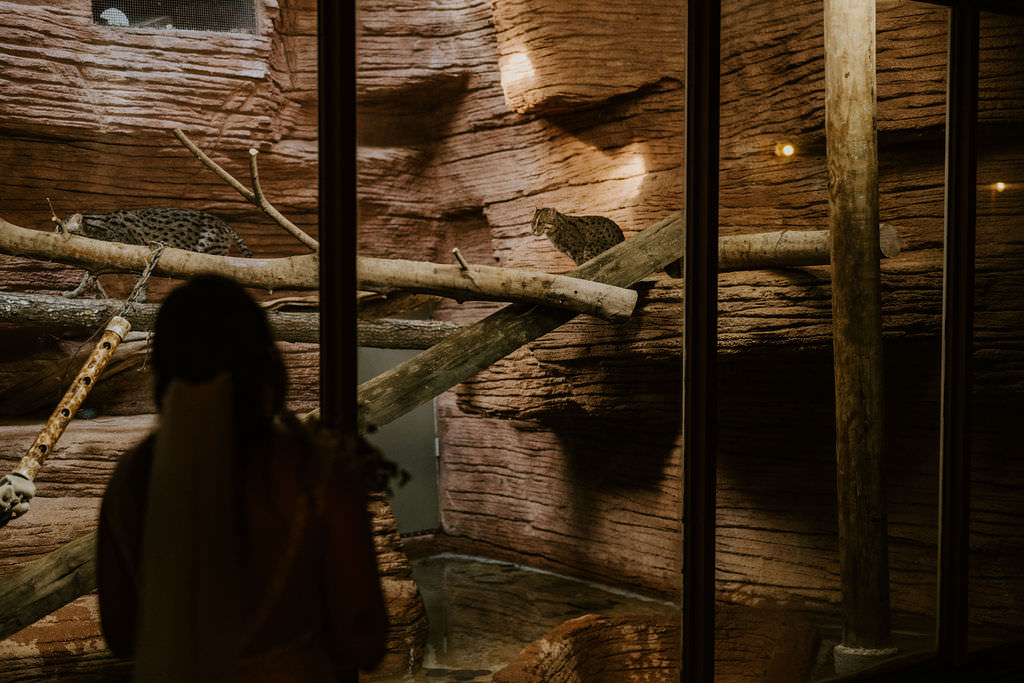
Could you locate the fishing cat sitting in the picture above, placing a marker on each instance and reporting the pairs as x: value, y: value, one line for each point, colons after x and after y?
x: 580, y: 237
x: 583, y: 237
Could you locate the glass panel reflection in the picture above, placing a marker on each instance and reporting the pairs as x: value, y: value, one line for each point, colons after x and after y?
x: 777, y: 515
x: 996, y: 589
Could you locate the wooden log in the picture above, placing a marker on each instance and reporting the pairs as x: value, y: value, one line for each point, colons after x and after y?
x: 852, y: 159
x: 297, y: 272
x: 482, y: 283
x: 789, y: 248
x: 285, y: 325
x: 36, y: 590
x: 475, y: 347
x: 403, y: 334
x: 73, y: 398
x: 488, y: 283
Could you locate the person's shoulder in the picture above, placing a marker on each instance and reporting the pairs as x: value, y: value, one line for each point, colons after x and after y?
x: 134, y: 465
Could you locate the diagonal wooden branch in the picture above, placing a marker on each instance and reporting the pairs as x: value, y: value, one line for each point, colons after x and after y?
x: 475, y: 347
x: 47, y: 584
x: 301, y: 272
x: 254, y: 196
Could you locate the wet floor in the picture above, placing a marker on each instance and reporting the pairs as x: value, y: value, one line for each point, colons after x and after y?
x: 482, y: 613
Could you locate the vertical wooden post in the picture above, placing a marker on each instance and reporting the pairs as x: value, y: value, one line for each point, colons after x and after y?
x: 857, y: 324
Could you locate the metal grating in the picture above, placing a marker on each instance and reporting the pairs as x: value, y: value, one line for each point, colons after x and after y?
x: 231, y: 16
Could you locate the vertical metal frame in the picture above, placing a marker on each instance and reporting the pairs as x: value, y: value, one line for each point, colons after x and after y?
x: 337, y: 214
x: 958, y: 334
x: 337, y: 221
x: 700, y: 339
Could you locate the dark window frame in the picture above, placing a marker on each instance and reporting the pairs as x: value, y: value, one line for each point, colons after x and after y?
x: 338, y: 214
x: 337, y: 207
x: 950, y: 660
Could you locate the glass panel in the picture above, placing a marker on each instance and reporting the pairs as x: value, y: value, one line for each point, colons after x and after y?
x: 778, y: 564
x: 996, y: 596
x: 562, y: 456
x: 87, y: 115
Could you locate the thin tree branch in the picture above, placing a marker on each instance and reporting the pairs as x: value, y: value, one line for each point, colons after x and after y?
x: 214, y: 166
x: 254, y: 196
x: 271, y: 210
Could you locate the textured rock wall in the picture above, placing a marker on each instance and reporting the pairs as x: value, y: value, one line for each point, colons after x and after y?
x: 474, y: 113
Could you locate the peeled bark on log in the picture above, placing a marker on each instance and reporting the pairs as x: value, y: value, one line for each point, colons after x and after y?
x: 284, y: 325
x: 791, y: 248
x: 488, y: 283
x: 301, y: 272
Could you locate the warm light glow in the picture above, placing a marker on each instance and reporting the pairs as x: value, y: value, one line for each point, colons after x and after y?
x: 784, y: 149
x: 1000, y: 186
x: 627, y: 171
x: 517, y: 70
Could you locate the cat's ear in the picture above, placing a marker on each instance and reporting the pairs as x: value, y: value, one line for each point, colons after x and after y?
x: 73, y: 223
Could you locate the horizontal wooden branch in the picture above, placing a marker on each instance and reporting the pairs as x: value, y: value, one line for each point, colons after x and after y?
x: 478, y: 283
x: 290, y: 272
x: 489, y: 283
x: 286, y: 326
x: 788, y: 248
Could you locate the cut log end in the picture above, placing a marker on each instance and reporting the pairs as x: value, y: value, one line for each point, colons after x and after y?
x: 889, y: 241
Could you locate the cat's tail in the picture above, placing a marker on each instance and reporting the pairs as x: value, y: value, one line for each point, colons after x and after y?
x: 241, y: 244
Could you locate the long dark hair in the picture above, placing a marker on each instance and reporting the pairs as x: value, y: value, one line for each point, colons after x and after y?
x: 211, y: 325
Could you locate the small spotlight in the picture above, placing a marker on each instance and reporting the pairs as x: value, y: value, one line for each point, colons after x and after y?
x: 784, y: 149
x: 1000, y: 186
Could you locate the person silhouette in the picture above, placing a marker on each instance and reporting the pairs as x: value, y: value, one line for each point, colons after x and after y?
x: 234, y: 544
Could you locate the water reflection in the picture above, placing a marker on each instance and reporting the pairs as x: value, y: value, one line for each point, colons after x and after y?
x: 482, y: 613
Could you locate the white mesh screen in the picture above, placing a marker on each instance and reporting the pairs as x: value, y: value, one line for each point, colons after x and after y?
x: 235, y: 16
